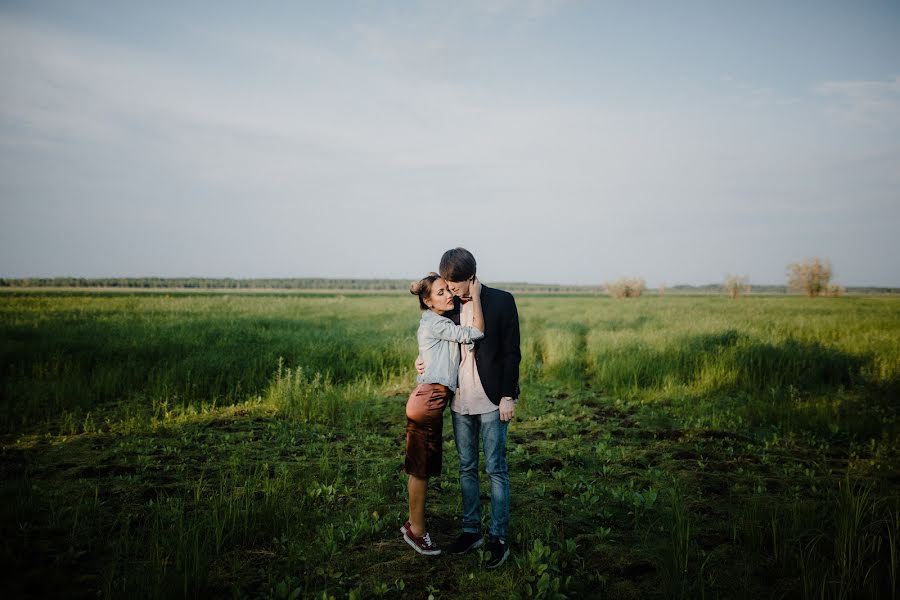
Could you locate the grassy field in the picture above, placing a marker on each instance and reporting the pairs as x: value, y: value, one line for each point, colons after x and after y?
x: 216, y: 445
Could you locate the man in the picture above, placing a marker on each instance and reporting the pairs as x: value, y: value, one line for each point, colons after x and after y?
x: 484, y: 404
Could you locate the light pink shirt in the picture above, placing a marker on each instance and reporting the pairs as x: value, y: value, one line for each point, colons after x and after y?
x: 470, y: 398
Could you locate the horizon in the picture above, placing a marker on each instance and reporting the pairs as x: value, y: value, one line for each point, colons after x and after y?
x: 560, y: 141
x: 599, y: 284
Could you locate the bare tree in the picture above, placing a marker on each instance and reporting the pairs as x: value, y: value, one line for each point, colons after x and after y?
x: 627, y: 287
x: 810, y: 276
x: 735, y: 285
x: 834, y: 290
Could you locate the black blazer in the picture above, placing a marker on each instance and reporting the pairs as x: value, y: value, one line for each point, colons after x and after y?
x: 497, y: 354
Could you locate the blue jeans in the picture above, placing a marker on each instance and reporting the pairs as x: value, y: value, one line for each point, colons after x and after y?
x: 466, y: 431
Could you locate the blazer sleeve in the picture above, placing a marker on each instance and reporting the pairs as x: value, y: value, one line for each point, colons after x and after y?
x: 511, y: 354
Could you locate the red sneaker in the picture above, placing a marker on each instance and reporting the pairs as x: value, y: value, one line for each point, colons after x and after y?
x: 422, y: 545
x: 405, y: 528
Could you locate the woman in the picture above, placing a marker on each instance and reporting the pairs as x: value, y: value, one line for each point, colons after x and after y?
x: 439, y: 347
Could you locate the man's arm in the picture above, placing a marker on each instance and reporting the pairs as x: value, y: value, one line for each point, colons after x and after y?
x: 511, y: 356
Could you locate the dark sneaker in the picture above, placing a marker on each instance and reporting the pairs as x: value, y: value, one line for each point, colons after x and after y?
x: 422, y: 545
x: 404, y: 529
x: 465, y: 542
x: 499, y: 551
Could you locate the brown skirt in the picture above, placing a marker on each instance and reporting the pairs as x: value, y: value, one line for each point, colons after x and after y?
x: 424, y: 429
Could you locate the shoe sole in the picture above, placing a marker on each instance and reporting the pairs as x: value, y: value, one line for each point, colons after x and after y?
x: 501, y: 561
x: 476, y: 544
x: 419, y: 550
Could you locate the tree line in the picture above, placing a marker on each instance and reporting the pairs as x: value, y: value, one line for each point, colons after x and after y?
x: 201, y: 283
x: 811, y: 277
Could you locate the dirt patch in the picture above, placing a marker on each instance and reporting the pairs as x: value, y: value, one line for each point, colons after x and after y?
x: 443, y: 526
x: 603, y: 407
x: 684, y: 455
x: 638, y: 568
x: 720, y: 466
x: 161, y: 488
x: 230, y: 426
x: 397, y: 560
x: 712, y: 434
x: 531, y: 435
x: 712, y: 539
x: 550, y: 464
x: 714, y: 485
x: 661, y: 434
x: 104, y: 471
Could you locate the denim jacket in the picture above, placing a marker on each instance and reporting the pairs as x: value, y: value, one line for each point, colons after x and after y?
x: 439, y: 345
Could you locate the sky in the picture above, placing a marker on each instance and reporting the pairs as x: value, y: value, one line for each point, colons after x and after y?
x: 559, y: 141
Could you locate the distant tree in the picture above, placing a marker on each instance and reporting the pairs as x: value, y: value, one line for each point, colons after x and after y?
x: 735, y: 285
x: 834, y: 290
x: 811, y: 276
x: 627, y: 287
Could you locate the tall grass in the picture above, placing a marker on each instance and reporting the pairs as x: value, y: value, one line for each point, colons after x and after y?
x: 679, y: 552
x: 314, y: 398
x: 65, y: 355
x: 186, y: 537
x: 843, y: 546
x: 794, y: 362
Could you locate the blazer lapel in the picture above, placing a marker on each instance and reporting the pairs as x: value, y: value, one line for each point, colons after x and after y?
x: 485, y: 297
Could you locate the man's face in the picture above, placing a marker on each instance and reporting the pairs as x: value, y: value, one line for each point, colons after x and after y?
x: 460, y: 289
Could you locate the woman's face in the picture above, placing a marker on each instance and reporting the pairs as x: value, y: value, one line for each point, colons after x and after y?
x: 441, y: 299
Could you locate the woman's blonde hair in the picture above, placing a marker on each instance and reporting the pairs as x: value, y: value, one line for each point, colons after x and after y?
x: 422, y: 288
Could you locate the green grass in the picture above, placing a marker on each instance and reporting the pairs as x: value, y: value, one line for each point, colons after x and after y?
x: 198, y: 445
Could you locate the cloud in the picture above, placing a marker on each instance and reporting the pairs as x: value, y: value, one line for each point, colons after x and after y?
x: 388, y: 120
x: 287, y: 118
x: 532, y: 9
x: 750, y: 94
x: 311, y: 116
x: 866, y: 103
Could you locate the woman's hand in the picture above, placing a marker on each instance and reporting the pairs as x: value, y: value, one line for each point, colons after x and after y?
x: 475, y: 288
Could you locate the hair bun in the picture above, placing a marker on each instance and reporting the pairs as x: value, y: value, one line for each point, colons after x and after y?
x: 422, y: 288
x: 416, y: 287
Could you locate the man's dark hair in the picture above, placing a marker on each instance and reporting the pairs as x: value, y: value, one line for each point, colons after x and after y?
x: 457, y: 265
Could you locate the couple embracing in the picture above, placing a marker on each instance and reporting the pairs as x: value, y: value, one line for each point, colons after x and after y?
x: 468, y: 359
